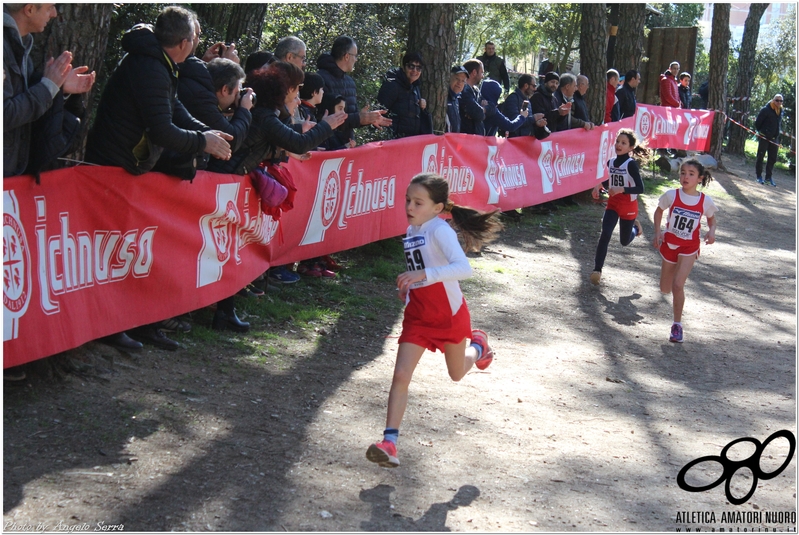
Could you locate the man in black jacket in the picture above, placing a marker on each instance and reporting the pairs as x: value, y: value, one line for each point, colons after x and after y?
x: 494, y: 66
x: 515, y: 103
x: 768, y: 123
x: 626, y: 94
x: 24, y: 99
x: 473, y: 112
x: 334, y: 68
x: 544, y: 100
x: 401, y: 94
x: 139, y: 114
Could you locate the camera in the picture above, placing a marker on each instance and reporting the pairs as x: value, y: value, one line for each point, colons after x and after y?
x: 241, y: 95
x: 223, y: 47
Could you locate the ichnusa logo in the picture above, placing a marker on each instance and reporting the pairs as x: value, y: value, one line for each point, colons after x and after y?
x: 730, y: 467
x: 556, y: 164
x: 16, y: 267
x: 325, y: 204
x: 643, y: 122
x: 696, y: 130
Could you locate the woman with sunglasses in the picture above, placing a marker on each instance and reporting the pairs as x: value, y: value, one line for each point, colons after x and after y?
x: 401, y: 95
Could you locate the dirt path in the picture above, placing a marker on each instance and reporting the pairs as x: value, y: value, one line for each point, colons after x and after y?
x: 581, y: 424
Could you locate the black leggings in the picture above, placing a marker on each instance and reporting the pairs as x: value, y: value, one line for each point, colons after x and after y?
x: 626, y: 236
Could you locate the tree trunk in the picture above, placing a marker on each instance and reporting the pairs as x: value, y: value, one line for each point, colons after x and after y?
x: 717, y: 94
x: 245, y: 26
x: 431, y: 32
x: 83, y: 30
x: 746, y: 76
x: 214, y: 16
x: 630, y: 41
x: 593, y: 55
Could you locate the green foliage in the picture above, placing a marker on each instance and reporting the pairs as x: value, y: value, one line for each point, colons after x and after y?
x: 675, y: 15
x: 775, y: 61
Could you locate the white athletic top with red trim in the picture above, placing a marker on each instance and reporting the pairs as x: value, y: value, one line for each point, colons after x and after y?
x: 434, y: 247
x: 685, y: 212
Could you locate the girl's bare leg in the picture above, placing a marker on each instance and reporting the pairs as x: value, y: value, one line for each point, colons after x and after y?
x: 683, y: 268
x: 408, y: 357
x: 460, y: 359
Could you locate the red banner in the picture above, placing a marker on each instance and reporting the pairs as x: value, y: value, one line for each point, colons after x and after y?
x: 94, y: 250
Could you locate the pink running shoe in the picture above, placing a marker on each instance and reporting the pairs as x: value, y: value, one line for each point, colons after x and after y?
x: 384, y: 453
x: 481, y: 338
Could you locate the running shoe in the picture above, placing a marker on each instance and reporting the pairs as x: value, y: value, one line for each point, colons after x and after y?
x: 676, y: 334
x: 384, y: 453
x: 595, y: 276
x: 481, y: 338
x: 771, y: 182
x: 760, y: 180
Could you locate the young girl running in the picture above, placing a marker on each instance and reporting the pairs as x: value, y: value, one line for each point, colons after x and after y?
x: 679, y: 246
x: 436, y: 315
x: 623, y: 185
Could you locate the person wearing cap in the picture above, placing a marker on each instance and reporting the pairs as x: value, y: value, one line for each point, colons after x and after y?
x: 457, y: 81
x: 544, y: 100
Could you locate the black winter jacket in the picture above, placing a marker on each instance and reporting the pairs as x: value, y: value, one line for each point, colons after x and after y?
x: 627, y: 102
x: 139, y: 112
x: 268, y: 139
x: 685, y: 96
x: 545, y: 102
x: 402, y: 100
x: 496, y: 70
x: 337, y: 82
x: 196, y: 93
x: 23, y: 103
x: 512, y: 107
x: 768, y: 122
x: 472, y: 113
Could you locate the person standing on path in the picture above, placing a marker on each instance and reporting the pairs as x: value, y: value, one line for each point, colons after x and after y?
x: 768, y: 123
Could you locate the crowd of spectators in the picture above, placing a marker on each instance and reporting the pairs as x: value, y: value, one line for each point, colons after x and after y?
x: 164, y: 108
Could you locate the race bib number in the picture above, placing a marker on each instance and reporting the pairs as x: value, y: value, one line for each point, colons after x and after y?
x: 616, y: 180
x: 413, y: 252
x: 682, y: 223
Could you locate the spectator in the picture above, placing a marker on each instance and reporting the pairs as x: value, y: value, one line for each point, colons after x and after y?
x: 207, y: 90
x: 139, y: 116
x: 311, y: 94
x: 473, y: 112
x: 544, y: 100
x: 768, y: 123
x: 626, y: 94
x: 258, y: 62
x: 669, y: 94
x: 517, y: 101
x: 494, y: 66
x: 139, y: 113
x: 292, y: 50
x: 401, y: 94
x: 580, y: 107
x: 334, y: 68
x: 341, y: 137
x: 685, y: 90
x: 26, y: 100
x: 565, y: 97
x: 495, y: 121
x: 457, y: 81
x: 611, y: 102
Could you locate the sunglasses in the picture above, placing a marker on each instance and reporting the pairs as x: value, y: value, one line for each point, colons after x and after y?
x: 414, y: 67
x: 778, y: 100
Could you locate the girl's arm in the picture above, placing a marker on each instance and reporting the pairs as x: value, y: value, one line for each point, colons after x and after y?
x: 458, y: 266
x: 657, y: 237
x: 710, y: 236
